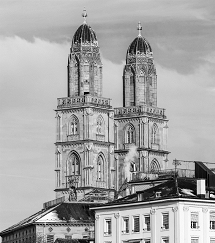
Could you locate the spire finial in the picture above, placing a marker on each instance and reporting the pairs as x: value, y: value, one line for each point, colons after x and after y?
x: 84, y: 15
x: 139, y: 28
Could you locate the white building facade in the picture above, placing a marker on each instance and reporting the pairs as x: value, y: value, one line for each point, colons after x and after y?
x: 175, y: 220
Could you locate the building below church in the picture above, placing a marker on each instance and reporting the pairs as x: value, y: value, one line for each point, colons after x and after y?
x: 178, y: 210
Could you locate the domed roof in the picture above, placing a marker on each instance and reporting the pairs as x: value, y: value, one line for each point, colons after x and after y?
x: 139, y: 45
x: 84, y: 34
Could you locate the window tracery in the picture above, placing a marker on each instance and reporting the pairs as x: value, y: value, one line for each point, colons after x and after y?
x: 73, y: 164
x: 100, y: 125
x: 154, y: 166
x: 129, y: 134
x: 74, y: 125
x: 100, y: 168
x: 155, y: 134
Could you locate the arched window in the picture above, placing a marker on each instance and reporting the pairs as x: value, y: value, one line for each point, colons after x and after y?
x: 132, y: 90
x: 129, y: 133
x: 73, y: 164
x: 155, y: 134
x: 74, y: 125
x: 154, y: 166
x: 100, y: 168
x: 100, y: 125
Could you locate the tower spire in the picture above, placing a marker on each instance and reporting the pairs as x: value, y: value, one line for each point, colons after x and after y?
x: 84, y: 15
x: 139, y: 28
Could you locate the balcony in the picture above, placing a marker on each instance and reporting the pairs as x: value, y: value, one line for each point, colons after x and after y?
x: 68, y: 102
x: 139, y: 110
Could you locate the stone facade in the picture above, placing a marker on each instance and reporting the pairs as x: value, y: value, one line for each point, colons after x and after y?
x: 93, y: 139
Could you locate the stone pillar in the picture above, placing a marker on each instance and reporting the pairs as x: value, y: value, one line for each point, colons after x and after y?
x: 186, y: 224
x: 176, y: 225
x: 206, y: 223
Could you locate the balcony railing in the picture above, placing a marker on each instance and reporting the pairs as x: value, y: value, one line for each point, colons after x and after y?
x: 140, y: 110
x: 68, y: 102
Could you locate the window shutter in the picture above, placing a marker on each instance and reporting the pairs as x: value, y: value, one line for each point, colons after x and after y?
x: 147, y: 220
x: 166, y: 220
x: 195, y: 240
x: 50, y: 238
x: 194, y: 217
x: 136, y: 224
x: 212, y: 240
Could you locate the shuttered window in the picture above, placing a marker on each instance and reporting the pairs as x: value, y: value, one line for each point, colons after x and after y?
x: 212, y: 220
x: 212, y: 240
x: 50, y: 238
x: 107, y: 230
x: 147, y: 222
x: 194, y: 220
x: 136, y: 224
x: 165, y: 220
x: 125, y: 225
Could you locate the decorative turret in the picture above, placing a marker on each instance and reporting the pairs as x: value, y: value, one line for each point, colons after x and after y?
x: 139, y: 75
x: 84, y: 63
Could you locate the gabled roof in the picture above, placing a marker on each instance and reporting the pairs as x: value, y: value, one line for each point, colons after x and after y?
x: 62, y: 213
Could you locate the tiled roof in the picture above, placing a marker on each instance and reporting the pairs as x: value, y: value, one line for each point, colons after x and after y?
x: 61, y: 213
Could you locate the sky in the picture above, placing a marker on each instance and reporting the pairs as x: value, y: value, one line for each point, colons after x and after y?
x: 35, y: 37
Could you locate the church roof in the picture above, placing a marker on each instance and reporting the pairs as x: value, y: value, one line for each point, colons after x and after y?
x: 62, y: 213
x: 84, y: 34
x: 139, y: 46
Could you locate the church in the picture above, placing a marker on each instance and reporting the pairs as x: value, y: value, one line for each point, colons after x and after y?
x: 93, y: 138
x: 98, y: 148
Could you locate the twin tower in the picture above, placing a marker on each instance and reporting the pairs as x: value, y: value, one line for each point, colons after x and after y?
x: 93, y: 138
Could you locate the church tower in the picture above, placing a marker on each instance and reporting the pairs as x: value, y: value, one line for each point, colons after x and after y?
x: 140, y: 123
x: 85, y: 125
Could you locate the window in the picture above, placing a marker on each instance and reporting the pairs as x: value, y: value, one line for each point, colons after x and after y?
x: 100, y: 125
x: 136, y: 224
x: 212, y: 240
x: 50, y: 238
x: 125, y: 225
x: 154, y: 166
x: 194, y: 240
x: 194, y: 220
x: 155, y: 134
x: 129, y: 134
x: 212, y: 220
x: 146, y: 223
x: 73, y: 125
x: 100, y: 168
x: 165, y: 221
x: 165, y: 240
x: 73, y: 164
x: 107, y: 229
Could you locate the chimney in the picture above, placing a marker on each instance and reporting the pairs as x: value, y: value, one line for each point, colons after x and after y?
x: 201, y: 188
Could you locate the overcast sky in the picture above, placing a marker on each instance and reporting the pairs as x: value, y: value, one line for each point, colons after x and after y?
x: 35, y: 37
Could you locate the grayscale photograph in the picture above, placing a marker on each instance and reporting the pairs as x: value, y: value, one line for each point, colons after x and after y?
x: 107, y: 121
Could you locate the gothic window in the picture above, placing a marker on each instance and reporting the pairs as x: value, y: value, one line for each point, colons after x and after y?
x: 73, y: 164
x: 58, y: 127
x: 100, y: 125
x: 129, y: 134
x: 100, y: 168
x: 155, y: 134
x: 73, y: 129
x: 154, y: 166
x: 132, y: 90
